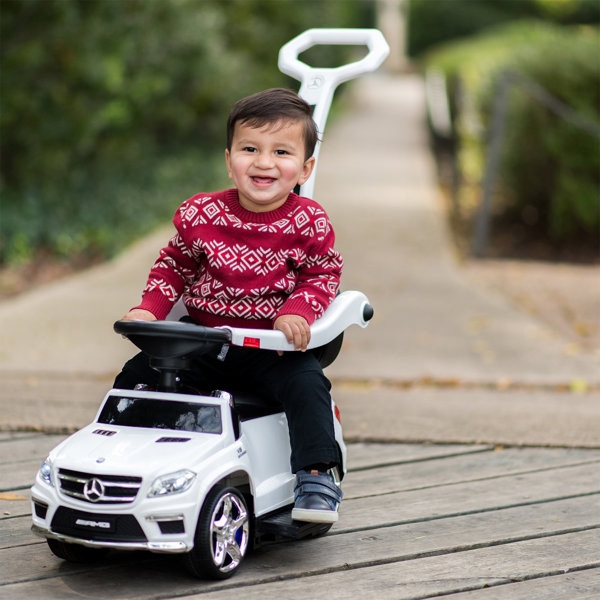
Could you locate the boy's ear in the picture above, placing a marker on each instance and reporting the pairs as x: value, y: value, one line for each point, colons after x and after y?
x: 227, y: 162
x: 307, y: 169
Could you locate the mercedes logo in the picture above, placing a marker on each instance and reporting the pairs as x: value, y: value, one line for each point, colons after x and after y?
x: 93, y: 490
x: 315, y: 83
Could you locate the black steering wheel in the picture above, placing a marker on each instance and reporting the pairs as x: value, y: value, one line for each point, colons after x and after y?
x: 169, y: 344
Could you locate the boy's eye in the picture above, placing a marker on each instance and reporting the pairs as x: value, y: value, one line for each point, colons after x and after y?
x: 281, y: 152
x: 249, y: 149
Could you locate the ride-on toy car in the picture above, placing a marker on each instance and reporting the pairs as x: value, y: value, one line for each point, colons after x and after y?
x: 173, y: 470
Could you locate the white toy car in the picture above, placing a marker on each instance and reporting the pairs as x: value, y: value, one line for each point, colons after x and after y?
x: 207, y: 476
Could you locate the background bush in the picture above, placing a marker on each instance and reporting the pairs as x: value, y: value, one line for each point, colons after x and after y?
x: 550, y: 175
x: 113, y: 112
x: 433, y: 22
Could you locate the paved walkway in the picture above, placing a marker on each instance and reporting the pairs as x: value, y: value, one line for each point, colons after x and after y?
x: 445, y: 359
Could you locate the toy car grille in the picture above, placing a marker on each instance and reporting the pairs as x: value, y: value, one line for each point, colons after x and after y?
x: 99, y: 489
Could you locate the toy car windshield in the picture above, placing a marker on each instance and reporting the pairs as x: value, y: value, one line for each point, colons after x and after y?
x: 161, y: 414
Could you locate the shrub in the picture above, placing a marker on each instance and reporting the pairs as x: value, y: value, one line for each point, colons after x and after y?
x: 550, y: 174
x: 433, y: 22
x: 113, y: 110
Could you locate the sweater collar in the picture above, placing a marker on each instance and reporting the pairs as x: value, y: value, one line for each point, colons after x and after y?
x: 233, y: 203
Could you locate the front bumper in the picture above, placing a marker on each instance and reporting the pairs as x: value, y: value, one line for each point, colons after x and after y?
x: 166, y: 547
x: 158, y: 525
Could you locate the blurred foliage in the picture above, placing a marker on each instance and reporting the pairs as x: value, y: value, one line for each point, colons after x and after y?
x: 435, y: 21
x: 550, y: 174
x: 114, y: 111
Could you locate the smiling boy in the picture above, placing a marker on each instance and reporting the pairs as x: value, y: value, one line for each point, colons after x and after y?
x: 259, y: 256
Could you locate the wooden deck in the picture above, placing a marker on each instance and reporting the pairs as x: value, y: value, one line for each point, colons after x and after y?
x: 417, y: 521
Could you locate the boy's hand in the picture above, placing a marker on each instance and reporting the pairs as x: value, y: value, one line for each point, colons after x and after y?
x: 138, y: 314
x: 296, y: 330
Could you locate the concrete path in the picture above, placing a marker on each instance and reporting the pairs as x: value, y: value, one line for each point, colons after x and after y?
x: 443, y: 360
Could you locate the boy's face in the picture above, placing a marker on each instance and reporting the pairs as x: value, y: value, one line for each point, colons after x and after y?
x: 265, y: 164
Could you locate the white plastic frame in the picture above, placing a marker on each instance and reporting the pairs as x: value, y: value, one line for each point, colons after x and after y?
x: 348, y: 308
x: 318, y: 84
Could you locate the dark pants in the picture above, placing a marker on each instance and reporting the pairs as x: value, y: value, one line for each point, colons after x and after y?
x: 295, y: 381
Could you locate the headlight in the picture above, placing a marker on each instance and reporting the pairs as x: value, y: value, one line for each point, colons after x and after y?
x: 46, y: 472
x: 173, y: 483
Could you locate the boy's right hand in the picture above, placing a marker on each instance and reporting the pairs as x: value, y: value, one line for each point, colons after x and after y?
x: 139, y: 314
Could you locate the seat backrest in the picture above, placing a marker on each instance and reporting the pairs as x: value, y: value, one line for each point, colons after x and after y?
x: 251, y: 406
x: 328, y: 353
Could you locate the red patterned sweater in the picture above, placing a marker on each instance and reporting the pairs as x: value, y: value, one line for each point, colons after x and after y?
x: 244, y: 269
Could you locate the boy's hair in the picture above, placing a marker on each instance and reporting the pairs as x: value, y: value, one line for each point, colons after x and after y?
x: 271, y: 106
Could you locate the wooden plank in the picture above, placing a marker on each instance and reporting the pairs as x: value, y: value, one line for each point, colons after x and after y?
x: 26, y: 455
x: 19, y: 475
x: 21, y: 459
x: 447, y: 577
x: 419, y: 506
x: 397, y: 578
x: 423, y: 504
x: 361, y: 456
x: 26, y: 447
x: 14, y: 505
x: 580, y: 585
x: 375, y: 545
x: 408, y: 541
x: 462, y: 498
x: 378, y: 480
x: 403, y: 507
x: 442, y: 575
x: 471, y: 467
x: 17, y: 532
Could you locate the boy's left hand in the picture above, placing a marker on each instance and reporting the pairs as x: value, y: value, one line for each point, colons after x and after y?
x: 296, y: 330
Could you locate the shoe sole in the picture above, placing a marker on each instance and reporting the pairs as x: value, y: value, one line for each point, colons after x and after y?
x: 314, y: 516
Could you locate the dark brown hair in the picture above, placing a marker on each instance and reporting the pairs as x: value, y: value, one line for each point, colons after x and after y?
x: 271, y: 106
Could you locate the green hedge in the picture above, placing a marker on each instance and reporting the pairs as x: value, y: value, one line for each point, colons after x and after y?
x: 113, y: 111
x: 433, y: 22
x: 550, y: 174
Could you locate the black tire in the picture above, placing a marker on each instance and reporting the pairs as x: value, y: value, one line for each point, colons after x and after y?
x: 76, y: 553
x: 222, y: 535
x: 323, y: 530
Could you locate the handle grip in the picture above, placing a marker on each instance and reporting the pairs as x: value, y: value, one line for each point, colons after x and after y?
x: 290, y: 64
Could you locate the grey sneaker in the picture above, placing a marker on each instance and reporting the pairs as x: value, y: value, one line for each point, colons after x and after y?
x: 317, y: 497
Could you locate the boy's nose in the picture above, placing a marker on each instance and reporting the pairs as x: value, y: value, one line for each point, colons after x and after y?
x: 264, y: 160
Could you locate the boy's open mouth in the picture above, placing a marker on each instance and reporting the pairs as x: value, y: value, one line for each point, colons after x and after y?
x: 262, y: 180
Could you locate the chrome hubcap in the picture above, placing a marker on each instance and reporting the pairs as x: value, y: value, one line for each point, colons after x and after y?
x: 229, y: 527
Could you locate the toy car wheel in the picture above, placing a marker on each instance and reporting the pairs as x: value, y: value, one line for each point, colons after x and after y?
x: 76, y: 553
x: 222, y: 535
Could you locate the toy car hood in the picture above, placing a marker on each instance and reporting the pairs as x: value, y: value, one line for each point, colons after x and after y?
x: 124, y: 450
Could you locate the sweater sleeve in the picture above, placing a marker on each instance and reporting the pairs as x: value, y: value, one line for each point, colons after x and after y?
x: 318, y: 279
x: 172, y: 272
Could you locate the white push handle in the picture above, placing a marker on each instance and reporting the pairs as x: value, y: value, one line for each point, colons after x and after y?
x: 348, y: 308
x: 318, y: 84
